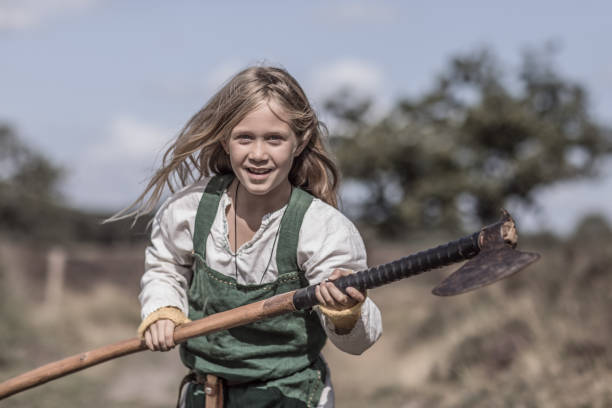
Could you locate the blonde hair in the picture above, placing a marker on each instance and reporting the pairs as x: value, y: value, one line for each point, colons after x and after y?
x: 198, y: 150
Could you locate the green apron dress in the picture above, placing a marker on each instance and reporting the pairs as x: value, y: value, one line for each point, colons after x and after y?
x: 270, y: 363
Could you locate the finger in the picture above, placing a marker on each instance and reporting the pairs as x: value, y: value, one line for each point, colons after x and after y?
x: 169, y: 334
x: 319, y: 296
x: 339, y: 297
x: 329, y: 300
x: 161, y: 336
x: 148, y: 340
x: 323, y: 294
x: 154, y: 340
x: 355, y: 294
x: 335, y: 274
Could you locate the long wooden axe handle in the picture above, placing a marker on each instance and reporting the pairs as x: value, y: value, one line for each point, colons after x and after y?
x: 220, y: 321
x: 494, y: 243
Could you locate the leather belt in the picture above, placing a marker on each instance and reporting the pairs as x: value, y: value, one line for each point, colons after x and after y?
x: 213, y: 388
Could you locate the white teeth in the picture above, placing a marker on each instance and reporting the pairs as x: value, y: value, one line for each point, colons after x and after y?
x: 259, y: 171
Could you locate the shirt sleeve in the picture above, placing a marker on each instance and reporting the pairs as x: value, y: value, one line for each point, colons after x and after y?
x: 169, y: 258
x: 328, y: 240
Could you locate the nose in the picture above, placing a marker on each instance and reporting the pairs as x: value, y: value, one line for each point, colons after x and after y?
x: 258, y: 152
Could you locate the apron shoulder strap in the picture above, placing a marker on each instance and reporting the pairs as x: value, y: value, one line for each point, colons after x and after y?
x: 286, y: 251
x: 207, y: 210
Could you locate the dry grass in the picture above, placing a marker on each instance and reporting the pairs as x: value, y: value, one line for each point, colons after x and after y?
x: 538, y: 339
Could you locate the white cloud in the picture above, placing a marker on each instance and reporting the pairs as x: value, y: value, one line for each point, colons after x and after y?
x: 362, y: 77
x: 111, y: 173
x: 23, y: 14
x: 130, y: 139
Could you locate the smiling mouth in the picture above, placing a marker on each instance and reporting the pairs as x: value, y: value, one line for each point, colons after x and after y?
x: 258, y: 171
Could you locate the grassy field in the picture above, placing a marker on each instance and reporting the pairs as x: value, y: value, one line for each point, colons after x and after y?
x: 538, y: 339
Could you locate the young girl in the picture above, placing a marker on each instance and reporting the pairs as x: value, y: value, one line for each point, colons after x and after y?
x: 256, y: 217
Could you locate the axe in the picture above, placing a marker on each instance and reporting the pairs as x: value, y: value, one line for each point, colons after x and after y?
x: 490, y: 250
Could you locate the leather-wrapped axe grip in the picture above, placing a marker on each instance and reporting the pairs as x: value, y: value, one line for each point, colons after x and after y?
x: 443, y: 255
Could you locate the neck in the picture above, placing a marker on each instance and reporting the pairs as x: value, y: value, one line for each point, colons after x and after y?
x: 259, y: 205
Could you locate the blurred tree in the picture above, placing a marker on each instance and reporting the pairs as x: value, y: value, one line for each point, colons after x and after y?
x: 469, y: 144
x: 29, y: 182
x: 32, y: 207
x: 592, y: 228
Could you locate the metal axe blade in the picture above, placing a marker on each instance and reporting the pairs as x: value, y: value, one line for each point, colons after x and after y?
x: 497, y: 260
x: 488, y: 267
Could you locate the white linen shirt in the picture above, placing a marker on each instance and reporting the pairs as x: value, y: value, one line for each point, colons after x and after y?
x: 327, y: 240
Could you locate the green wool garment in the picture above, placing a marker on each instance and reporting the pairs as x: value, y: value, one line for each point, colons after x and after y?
x: 271, y: 363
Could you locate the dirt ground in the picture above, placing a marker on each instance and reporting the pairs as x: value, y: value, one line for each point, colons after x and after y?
x: 538, y: 339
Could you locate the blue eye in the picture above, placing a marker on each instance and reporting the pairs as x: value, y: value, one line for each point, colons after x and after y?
x: 243, y: 137
x: 274, y: 138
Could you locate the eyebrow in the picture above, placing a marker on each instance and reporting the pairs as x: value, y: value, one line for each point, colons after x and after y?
x: 267, y: 133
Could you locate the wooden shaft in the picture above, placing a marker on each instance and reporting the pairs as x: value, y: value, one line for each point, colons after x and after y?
x: 274, y: 306
x: 250, y: 313
x: 69, y: 365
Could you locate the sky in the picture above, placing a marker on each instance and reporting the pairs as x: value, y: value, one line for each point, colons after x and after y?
x: 101, y: 86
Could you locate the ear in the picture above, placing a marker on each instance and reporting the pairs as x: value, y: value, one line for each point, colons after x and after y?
x: 225, y: 146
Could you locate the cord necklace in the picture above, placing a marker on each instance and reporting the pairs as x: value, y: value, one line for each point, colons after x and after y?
x: 236, y: 236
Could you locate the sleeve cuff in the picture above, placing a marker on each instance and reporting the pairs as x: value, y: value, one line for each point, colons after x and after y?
x: 168, y: 312
x: 343, y: 320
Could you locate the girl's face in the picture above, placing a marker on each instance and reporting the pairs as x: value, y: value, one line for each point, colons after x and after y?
x: 261, y: 149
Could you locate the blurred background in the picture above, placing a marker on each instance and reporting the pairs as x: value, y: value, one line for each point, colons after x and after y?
x: 439, y: 114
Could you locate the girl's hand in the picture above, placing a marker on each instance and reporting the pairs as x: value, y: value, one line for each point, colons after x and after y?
x: 159, y: 336
x: 330, y: 296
